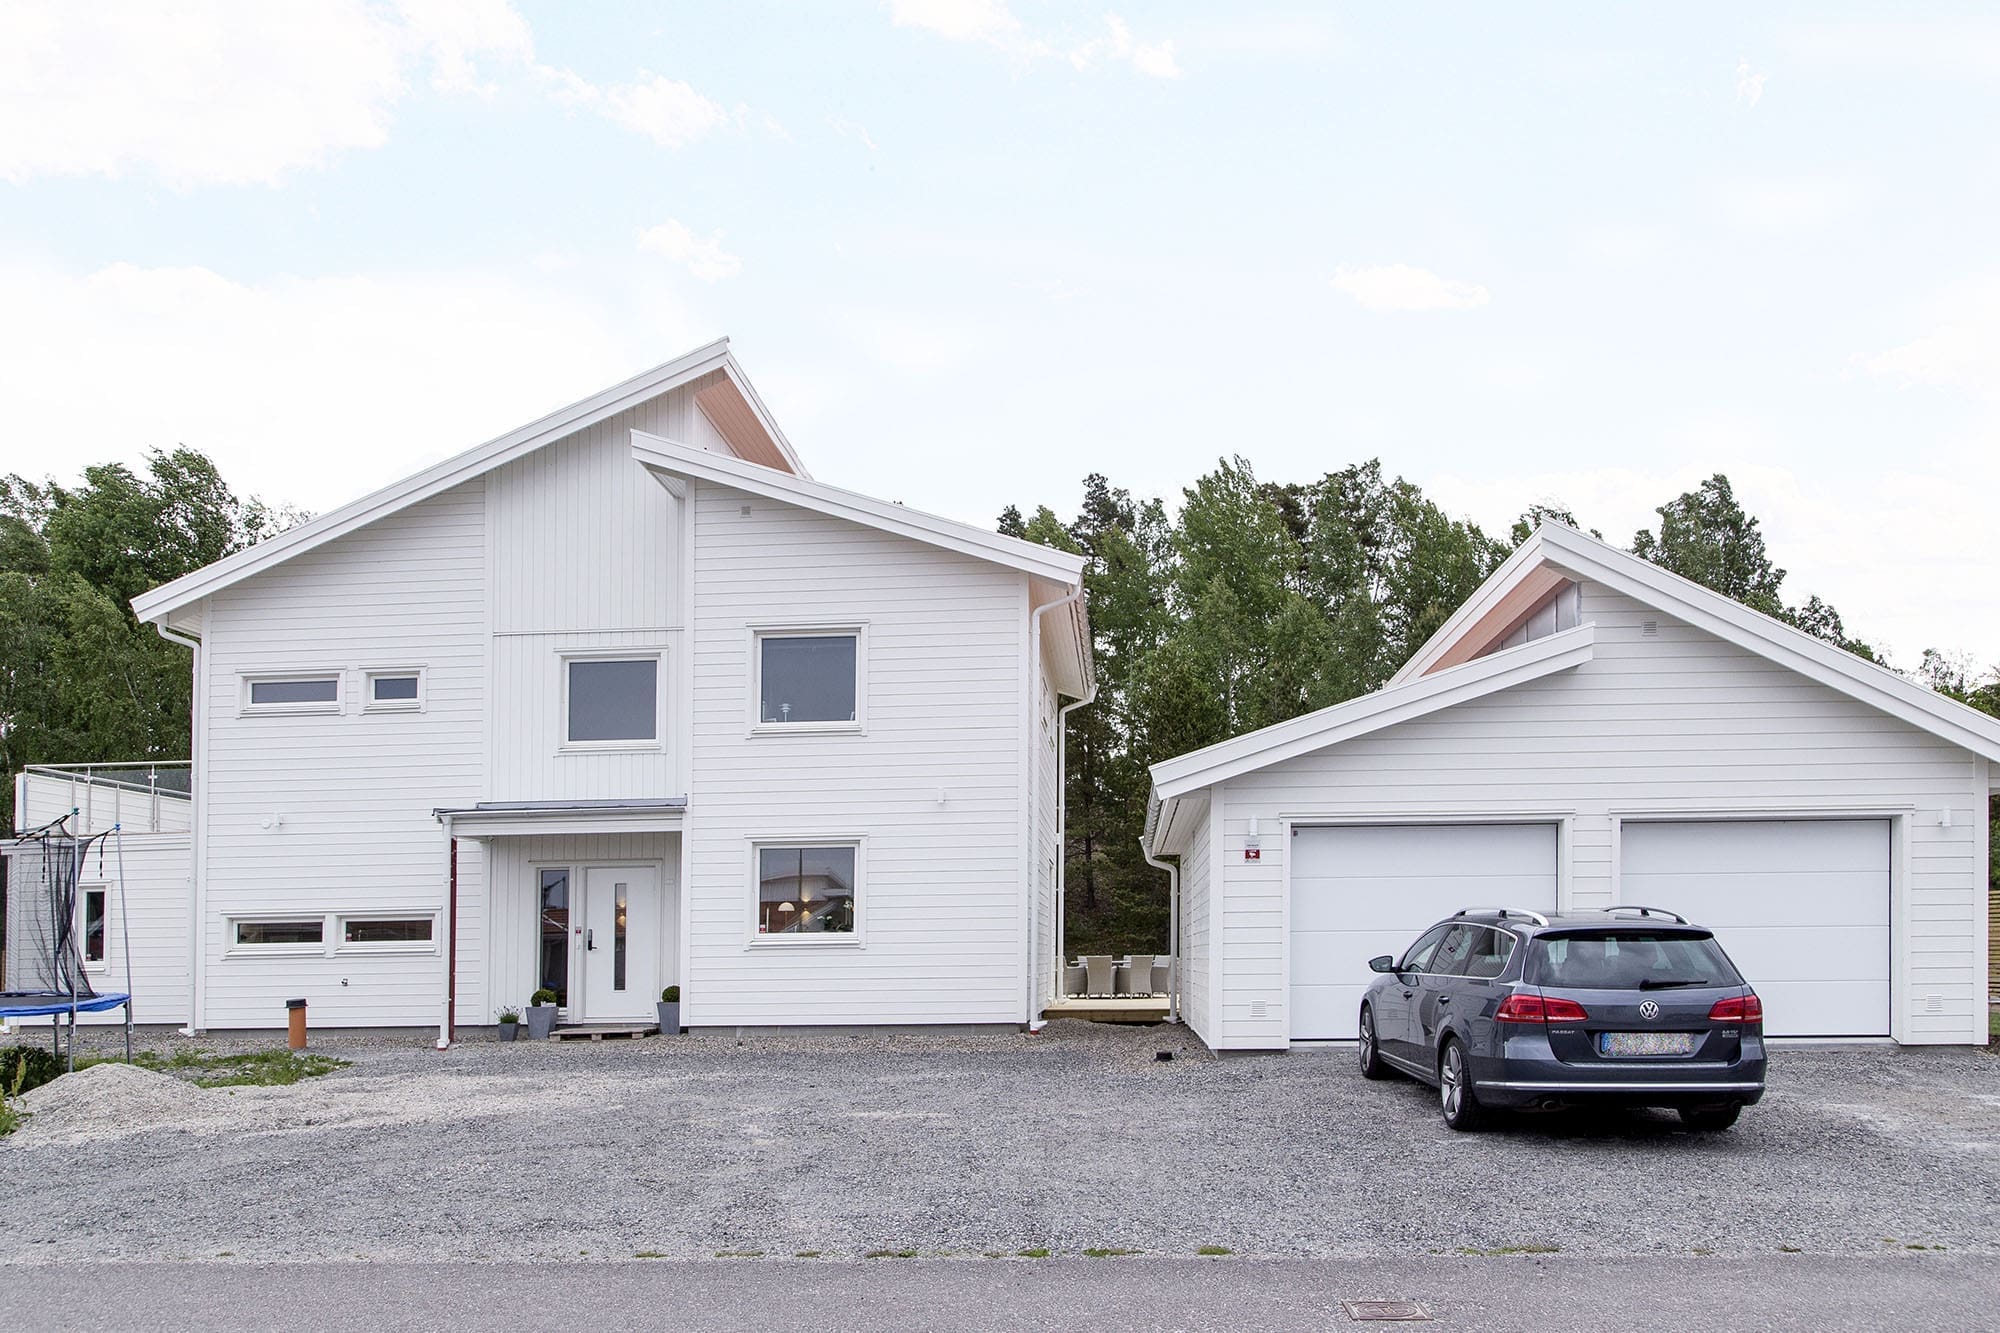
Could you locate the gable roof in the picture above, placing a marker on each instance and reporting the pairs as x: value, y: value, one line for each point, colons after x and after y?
x: 1053, y: 571
x: 1188, y: 776
x: 1556, y: 551
x: 740, y: 416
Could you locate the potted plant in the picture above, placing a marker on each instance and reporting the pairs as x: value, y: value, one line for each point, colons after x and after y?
x: 670, y: 1011
x: 510, y: 1024
x: 542, y: 1013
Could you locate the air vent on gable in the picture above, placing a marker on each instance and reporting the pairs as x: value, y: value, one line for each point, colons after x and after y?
x: 1257, y: 1009
x: 1649, y: 628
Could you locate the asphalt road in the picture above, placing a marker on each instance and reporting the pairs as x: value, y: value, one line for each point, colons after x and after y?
x: 1548, y: 1294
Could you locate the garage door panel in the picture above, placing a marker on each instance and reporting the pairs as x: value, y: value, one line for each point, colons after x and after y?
x: 1801, y: 906
x: 1361, y: 891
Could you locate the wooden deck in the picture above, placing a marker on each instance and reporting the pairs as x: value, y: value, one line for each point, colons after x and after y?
x: 602, y: 1031
x: 1110, y: 1008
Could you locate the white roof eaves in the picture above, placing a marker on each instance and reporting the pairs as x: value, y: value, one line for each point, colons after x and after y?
x: 1389, y: 705
x: 157, y: 603
x: 1487, y: 595
x: 685, y: 460
x: 1729, y: 620
x: 763, y: 414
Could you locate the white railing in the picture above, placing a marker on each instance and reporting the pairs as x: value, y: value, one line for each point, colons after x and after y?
x: 152, y: 797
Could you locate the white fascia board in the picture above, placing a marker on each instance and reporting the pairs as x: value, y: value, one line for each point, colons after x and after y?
x: 674, y: 459
x: 1474, y: 608
x: 1372, y: 712
x: 158, y: 603
x: 1788, y: 646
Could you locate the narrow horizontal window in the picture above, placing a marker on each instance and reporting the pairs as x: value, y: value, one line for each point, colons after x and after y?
x: 613, y: 700
x: 807, y: 678
x: 387, y: 930
x: 259, y: 934
x: 805, y: 891
x: 301, y: 691
x: 392, y: 689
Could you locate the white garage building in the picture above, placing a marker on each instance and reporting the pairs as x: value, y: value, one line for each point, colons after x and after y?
x: 1588, y: 730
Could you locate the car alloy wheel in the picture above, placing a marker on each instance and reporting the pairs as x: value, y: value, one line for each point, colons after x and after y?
x: 1456, y: 1098
x: 1370, y: 1057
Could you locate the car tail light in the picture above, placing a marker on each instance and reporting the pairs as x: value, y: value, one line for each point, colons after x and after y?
x: 1737, y: 1009
x: 1524, y: 1008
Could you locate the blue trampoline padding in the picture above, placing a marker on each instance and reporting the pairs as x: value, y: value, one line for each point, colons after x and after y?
x: 19, y: 1004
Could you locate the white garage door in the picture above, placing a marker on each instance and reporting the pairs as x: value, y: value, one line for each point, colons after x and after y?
x: 1802, y: 906
x: 1366, y: 890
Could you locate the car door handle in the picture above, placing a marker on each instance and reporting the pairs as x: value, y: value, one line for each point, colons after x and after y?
x: 1408, y: 993
x: 1444, y: 999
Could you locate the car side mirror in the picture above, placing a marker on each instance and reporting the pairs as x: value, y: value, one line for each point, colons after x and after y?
x: 1385, y: 963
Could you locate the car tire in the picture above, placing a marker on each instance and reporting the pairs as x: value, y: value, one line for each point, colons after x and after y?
x: 1458, y: 1101
x: 1710, y: 1118
x: 1368, y: 1049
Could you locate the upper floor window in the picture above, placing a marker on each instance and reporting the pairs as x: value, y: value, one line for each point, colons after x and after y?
x: 611, y: 701
x: 307, y: 692
x: 809, y: 678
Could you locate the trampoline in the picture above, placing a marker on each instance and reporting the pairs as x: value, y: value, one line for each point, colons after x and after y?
x: 46, y: 940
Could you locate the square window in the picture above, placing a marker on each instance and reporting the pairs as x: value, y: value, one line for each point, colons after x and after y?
x: 391, y: 690
x: 613, y: 700
x: 806, y: 891
x: 808, y: 678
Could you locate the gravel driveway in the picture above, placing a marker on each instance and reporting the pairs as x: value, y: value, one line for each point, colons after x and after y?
x: 1071, y: 1139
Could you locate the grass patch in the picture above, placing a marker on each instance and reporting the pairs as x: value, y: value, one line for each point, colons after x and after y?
x: 1790, y: 1249
x: 739, y: 1254
x: 1104, y: 1253
x: 250, y: 1069
x: 1510, y: 1249
x: 1036, y: 1253
x: 805, y: 1254
x: 1215, y: 1250
x: 648, y: 1254
x: 890, y: 1254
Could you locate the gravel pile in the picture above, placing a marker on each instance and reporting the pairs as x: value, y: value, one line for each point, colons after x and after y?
x: 1073, y: 1138
x: 108, y: 1101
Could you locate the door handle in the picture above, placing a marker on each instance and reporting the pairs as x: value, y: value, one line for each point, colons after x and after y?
x: 590, y: 941
x: 1408, y: 993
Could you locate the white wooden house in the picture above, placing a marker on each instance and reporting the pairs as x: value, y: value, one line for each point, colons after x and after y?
x: 626, y: 699
x: 1589, y: 730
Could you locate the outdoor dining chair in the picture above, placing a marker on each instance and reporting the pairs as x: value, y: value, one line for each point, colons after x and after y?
x: 1100, y: 974
x: 1139, y: 974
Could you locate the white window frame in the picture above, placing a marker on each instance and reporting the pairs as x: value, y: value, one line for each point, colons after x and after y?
x: 657, y: 656
x: 83, y: 892
x: 233, y: 948
x: 856, y: 630
x: 370, y: 704
x: 338, y: 939
x: 336, y: 705
x: 844, y: 939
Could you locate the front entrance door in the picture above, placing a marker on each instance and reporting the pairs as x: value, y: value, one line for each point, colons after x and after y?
x: 620, y: 942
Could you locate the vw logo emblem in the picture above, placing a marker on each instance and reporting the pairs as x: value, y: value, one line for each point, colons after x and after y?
x: 1649, y: 1008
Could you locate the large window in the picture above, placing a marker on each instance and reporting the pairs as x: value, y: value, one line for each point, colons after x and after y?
x: 612, y: 701
x: 317, y: 692
x: 806, y: 891
x: 808, y: 679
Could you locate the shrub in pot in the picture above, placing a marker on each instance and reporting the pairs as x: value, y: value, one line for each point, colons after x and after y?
x: 542, y: 1013
x: 510, y: 1024
x: 670, y: 1011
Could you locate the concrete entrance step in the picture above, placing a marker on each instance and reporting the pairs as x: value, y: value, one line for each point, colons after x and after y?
x: 600, y: 1031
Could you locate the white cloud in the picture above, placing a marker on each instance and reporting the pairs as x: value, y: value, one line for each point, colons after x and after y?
x: 224, y: 91
x: 1786, y: 204
x: 993, y: 23
x: 1961, y: 351
x: 848, y: 129
x: 703, y: 255
x: 1402, y: 287
x: 667, y: 111
x: 305, y: 390
x: 1749, y: 84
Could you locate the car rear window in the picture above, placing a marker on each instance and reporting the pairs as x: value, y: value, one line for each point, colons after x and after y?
x: 1632, y: 960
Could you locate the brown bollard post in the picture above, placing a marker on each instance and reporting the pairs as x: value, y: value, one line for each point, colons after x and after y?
x: 295, y: 1016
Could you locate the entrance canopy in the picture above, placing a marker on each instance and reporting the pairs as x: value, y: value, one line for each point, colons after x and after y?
x: 505, y: 819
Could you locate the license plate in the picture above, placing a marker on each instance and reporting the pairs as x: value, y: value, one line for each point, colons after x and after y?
x: 1645, y: 1043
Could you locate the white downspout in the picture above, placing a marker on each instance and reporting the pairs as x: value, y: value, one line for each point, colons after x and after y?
x: 450, y: 919
x: 1034, y: 1020
x: 197, y: 834
x: 1173, y: 930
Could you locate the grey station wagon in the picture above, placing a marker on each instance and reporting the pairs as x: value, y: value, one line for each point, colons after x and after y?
x: 1502, y: 1008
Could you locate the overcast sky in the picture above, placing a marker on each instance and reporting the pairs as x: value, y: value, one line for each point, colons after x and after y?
x: 970, y: 250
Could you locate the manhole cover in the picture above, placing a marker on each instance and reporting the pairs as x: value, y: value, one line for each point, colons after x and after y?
x: 1386, y: 1312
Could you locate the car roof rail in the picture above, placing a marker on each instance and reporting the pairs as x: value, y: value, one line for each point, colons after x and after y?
x: 1504, y: 912
x: 1648, y: 911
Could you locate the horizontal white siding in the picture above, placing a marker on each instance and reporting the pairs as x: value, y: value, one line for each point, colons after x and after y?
x: 154, y: 870
x: 943, y: 893
x: 1673, y: 722
x: 332, y: 812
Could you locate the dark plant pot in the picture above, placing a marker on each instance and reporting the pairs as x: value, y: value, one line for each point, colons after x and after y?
x: 670, y: 1017
x: 509, y: 1031
x: 541, y: 1020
